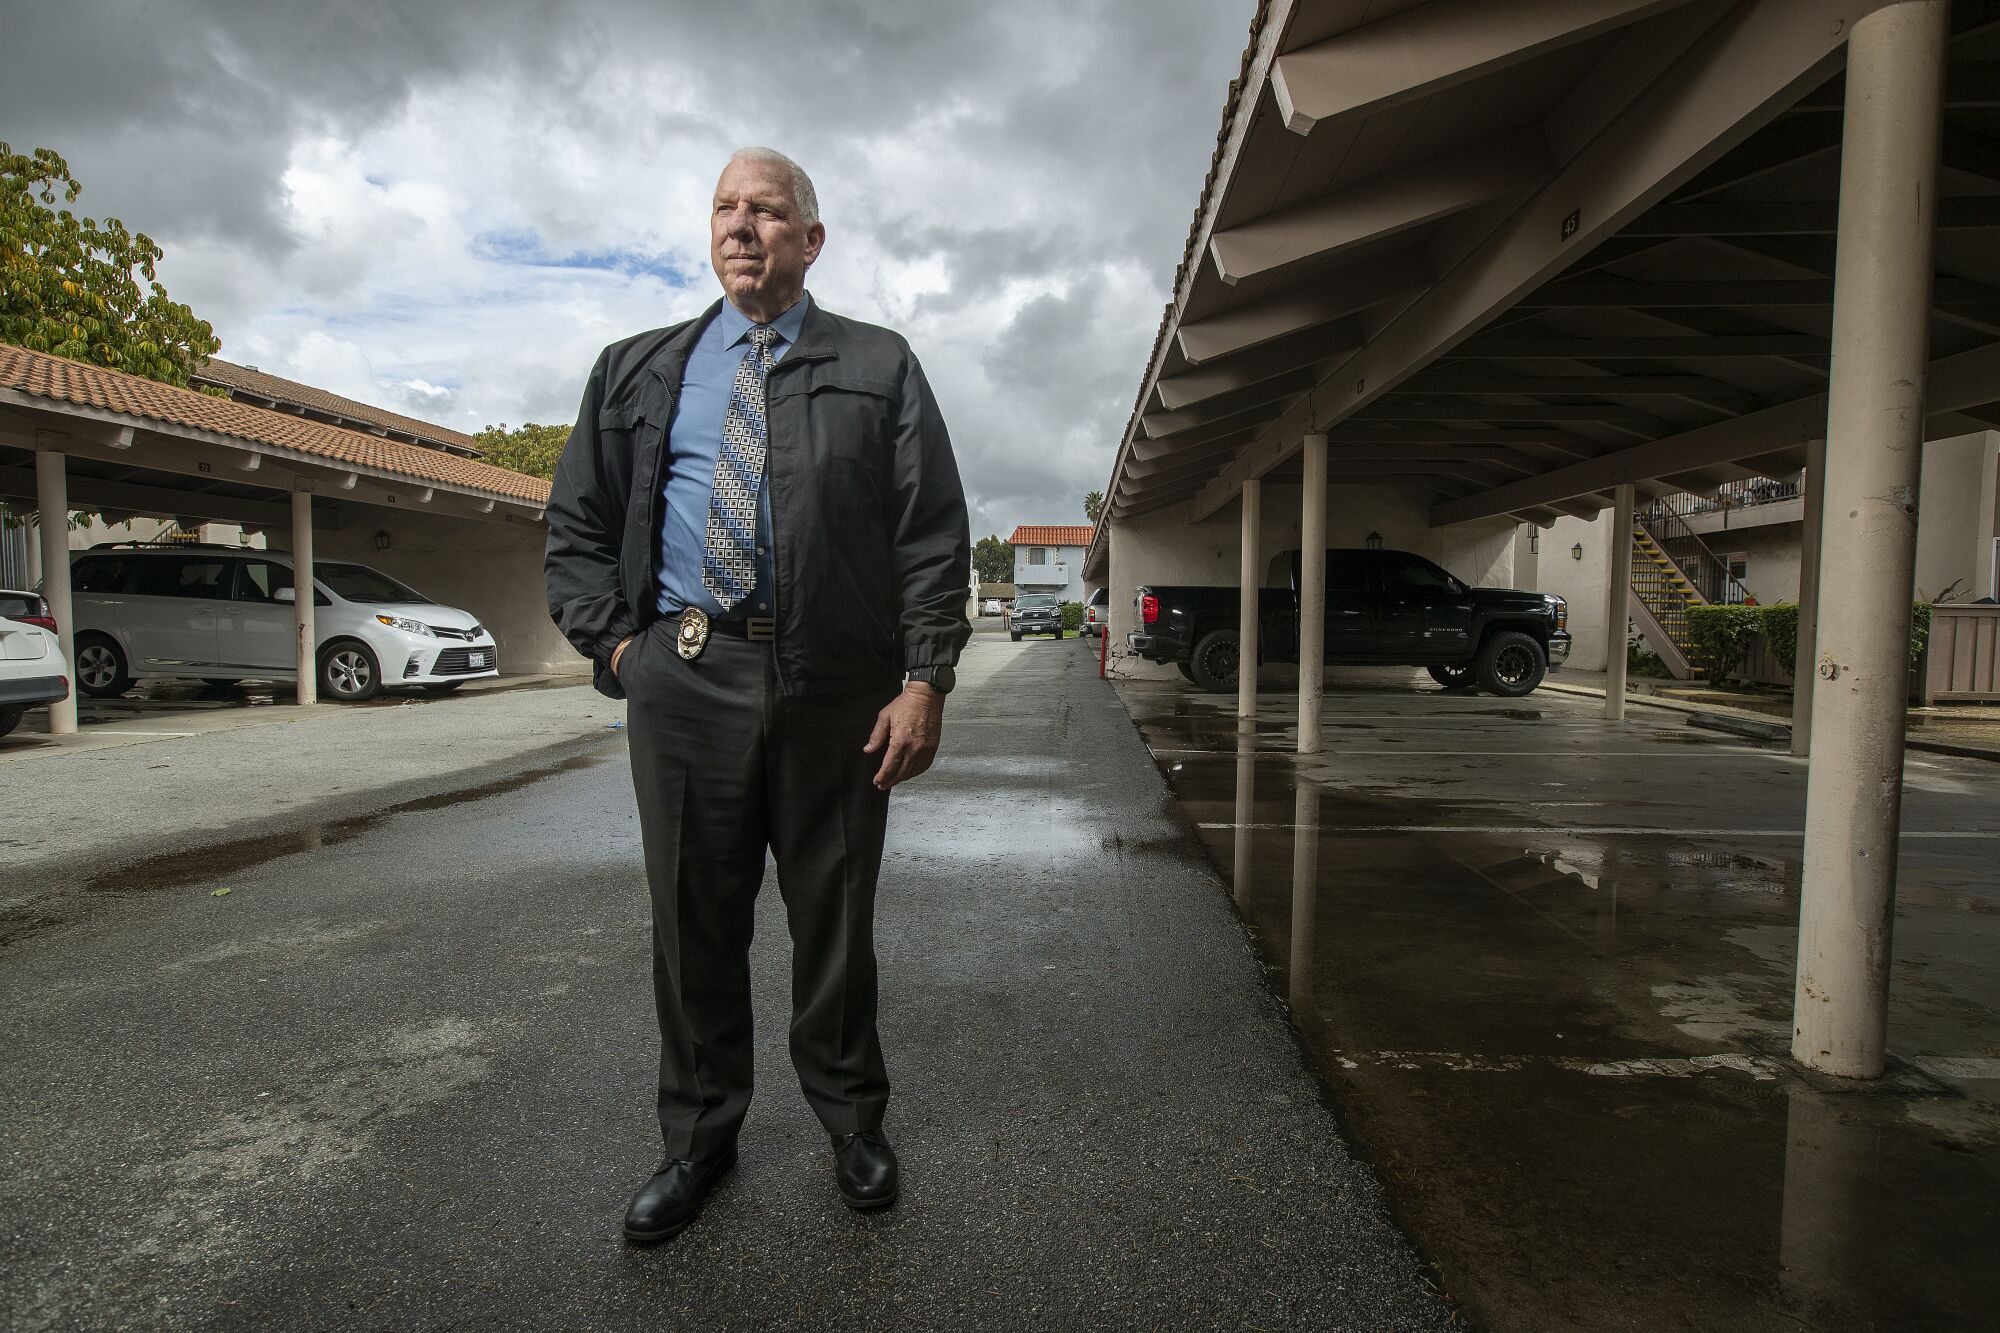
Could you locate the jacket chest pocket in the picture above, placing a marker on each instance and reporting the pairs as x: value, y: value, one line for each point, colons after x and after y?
x: 849, y: 421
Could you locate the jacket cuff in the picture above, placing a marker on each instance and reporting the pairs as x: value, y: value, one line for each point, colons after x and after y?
x: 929, y: 653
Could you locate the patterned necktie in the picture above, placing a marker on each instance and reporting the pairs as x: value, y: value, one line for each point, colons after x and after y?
x: 729, y: 564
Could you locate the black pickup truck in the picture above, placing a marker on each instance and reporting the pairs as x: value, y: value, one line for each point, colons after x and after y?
x: 1384, y: 607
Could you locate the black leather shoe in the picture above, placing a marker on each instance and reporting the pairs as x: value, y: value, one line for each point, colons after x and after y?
x: 864, y: 1167
x: 669, y: 1201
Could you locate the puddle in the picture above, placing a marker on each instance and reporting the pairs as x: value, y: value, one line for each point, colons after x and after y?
x: 20, y: 921
x: 1567, y: 1054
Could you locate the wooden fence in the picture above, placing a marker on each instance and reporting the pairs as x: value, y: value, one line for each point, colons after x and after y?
x: 1963, y: 655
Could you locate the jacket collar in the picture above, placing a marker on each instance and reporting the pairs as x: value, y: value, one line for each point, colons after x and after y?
x: 816, y: 338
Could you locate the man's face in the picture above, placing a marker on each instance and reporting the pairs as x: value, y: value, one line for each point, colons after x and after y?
x: 755, y: 240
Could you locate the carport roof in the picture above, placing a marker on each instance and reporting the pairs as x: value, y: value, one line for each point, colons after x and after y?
x: 58, y: 379
x: 276, y: 391
x: 1517, y: 255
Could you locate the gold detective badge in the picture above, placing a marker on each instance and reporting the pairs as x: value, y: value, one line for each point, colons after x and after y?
x: 693, y: 636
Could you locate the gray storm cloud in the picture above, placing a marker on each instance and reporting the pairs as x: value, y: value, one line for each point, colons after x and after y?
x: 1010, y: 185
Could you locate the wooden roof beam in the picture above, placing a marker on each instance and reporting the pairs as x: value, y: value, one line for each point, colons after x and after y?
x: 1391, y: 203
x: 1430, y: 48
x: 1267, y: 362
x: 1320, y: 300
x: 1953, y: 384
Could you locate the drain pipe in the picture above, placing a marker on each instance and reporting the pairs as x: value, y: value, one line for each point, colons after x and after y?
x: 1874, y: 447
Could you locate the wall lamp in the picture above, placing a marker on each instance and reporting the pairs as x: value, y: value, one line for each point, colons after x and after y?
x: 1374, y: 541
x: 381, y: 540
x: 1576, y: 551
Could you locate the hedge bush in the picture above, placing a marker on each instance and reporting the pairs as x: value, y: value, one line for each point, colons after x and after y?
x: 1072, y: 616
x: 1781, y: 633
x: 1721, y: 635
x: 1717, y: 629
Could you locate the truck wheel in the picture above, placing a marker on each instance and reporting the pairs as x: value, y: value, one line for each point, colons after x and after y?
x: 1214, y: 663
x: 1511, y: 664
x: 1455, y: 677
x: 1185, y: 670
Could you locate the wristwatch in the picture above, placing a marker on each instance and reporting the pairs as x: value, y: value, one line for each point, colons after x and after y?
x: 939, y: 678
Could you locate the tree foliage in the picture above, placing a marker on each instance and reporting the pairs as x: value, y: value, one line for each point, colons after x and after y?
x: 1093, y: 505
x: 993, y: 560
x: 85, y: 289
x: 532, y: 448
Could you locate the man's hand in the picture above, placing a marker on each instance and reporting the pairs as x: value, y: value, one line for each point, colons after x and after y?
x: 619, y: 651
x: 907, y: 732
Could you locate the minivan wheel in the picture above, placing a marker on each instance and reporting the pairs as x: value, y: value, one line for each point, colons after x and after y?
x: 1455, y: 677
x: 348, y: 672
x: 101, y: 670
x: 10, y: 717
x: 1511, y: 664
x: 1215, y: 661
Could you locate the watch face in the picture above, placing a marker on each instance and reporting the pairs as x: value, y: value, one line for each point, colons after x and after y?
x: 939, y: 678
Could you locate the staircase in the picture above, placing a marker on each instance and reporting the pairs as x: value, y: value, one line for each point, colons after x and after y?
x: 1673, y: 569
x: 1661, y: 595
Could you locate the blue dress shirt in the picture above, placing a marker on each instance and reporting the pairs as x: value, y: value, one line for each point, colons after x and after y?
x: 692, y: 447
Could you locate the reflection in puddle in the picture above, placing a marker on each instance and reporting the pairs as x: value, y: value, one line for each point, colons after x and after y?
x: 1566, y: 1051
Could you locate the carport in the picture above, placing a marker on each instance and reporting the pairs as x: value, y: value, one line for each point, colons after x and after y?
x: 81, y: 436
x: 1460, y: 264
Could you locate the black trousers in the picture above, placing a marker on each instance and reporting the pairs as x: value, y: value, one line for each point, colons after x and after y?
x: 726, y: 765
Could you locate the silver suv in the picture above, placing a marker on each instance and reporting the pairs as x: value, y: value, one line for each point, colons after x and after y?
x: 221, y: 614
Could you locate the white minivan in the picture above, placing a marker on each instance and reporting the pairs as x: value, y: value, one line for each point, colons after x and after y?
x: 221, y: 614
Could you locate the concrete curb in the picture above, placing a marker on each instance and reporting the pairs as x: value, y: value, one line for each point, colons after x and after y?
x: 1745, y: 716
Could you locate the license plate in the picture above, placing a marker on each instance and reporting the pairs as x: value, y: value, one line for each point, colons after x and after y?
x: 477, y: 659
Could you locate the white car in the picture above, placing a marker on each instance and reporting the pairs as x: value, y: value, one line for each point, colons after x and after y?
x: 222, y: 613
x: 993, y: 607
x: 32, y: 670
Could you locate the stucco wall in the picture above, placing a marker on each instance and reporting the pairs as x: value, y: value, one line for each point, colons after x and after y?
x: 491, y: 569
x: 1163, y: 547
x: 1956, y: 514
x: 1584, y: 583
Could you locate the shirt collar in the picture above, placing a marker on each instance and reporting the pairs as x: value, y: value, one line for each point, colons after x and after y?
x: 736, y: 325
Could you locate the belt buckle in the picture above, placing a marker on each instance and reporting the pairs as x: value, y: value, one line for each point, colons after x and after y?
x: 693, y: 634
x: 760, y: 629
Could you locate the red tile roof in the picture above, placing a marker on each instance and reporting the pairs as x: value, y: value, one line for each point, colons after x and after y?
x: 59, y: 379
x: 1047, y: 535
x: 247, y: 379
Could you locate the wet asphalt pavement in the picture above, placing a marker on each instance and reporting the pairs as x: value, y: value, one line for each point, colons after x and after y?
x: 399, y: 1075
x: 1546, y: 962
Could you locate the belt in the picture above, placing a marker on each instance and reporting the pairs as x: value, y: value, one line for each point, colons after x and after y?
x: 757, y: 629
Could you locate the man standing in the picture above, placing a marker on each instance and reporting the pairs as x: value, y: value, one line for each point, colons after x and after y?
x: 757, y: 534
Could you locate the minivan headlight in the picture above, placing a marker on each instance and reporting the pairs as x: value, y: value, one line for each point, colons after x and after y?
x: 407, y: 625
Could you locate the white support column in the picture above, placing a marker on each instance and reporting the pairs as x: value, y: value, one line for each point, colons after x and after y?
x: 1618, y: 601
x: 1248, y: 580
x: 1312, y: 594
x: 52, y: 496
x: 306, y: 656
x: 1806, y: 652
x: 1874, y: 447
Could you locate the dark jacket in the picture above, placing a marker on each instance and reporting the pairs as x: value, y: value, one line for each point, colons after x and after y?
x: 872, y: 552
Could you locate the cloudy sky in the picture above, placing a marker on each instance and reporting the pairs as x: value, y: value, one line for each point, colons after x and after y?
x: 447, y: 207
